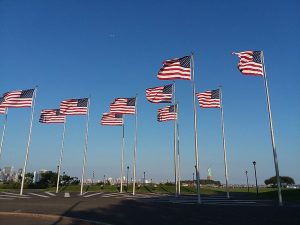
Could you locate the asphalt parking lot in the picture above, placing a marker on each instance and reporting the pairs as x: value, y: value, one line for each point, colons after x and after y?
x: 115, y: 208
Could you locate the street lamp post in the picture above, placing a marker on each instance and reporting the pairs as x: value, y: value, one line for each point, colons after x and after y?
x: 193, y: 178
x: 144, y: 177
x: 127, y: 177
x: 247, y: 180
x: 93, y: 177
x: 254, y: 164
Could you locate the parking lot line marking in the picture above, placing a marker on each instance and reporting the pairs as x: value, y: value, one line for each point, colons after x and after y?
x: 87, y: 196
x: 49, y: 193
x: 13, y: 194
x: 39, y: 195
x: 67, y: 195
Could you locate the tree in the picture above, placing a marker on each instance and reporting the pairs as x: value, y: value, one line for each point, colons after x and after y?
x: 283, y: 179
x: 48, y: 179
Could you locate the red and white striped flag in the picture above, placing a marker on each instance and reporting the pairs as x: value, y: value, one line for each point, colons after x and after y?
x: 250, y: 63
x: 209, y: 99
x: 2, y: 110
x: 179, y: 68
x: 123, y: 106
x: 110, y: 119
x: 74, y: 107
x: 17, y: 99
x: 51, y: 116
x: 162, y: 94
x: 167, y: 113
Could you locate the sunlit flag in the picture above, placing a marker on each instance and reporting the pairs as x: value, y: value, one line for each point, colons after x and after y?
x: 74, y: 107
x: 179, y: 68
x: 51, y: 116
x: 110, y: 119
x: 123, y: 106
x: 2, y: 109
x: 17, y: 99
x: 209, y: 99
x: 167, y: 113
x: 250, y: 63
x: 162, y: 94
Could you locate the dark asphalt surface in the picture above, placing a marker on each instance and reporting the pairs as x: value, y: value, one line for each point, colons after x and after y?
x: 131, y: 212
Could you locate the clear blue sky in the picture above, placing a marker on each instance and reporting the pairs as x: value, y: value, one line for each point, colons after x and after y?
x: 108, y: 49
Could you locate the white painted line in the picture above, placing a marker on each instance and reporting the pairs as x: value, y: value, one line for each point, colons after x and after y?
x: 16, y: 196
x: 7, y: 198
x: 67, y: 195
x: 49, y: 193
x: 13, y: 194
x: 87, y: 196
x: 39, y: 195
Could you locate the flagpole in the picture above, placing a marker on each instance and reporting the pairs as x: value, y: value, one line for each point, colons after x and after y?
x: 3, y: 131
x: 272, y: 131
x: 224, y: 143
x: 175, y: 142
x: 86, y: 145
x: 122, y: 160
x: 195, y: 131
x: 61, y: 154
x: 135, y: 146
x: 28, y: 142
x: 178, y: 155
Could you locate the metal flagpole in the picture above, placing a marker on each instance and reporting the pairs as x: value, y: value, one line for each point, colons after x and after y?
x: 224, y: 143
x: 122, y: 160
x: 178, y: 155
x: 28, y: 142
x: 3, y: 131
x: 86, y: 145
x: 195, y: 130
x: 272, y: 131
x: 61, y: 154
x: 175, y: 142
x: 135, y: 146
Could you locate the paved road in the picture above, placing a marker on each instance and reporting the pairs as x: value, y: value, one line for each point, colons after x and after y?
x: 142, y: 209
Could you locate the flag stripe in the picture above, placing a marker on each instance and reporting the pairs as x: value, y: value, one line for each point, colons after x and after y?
x: 51, y: 116
x: 167, y: 113
x: 162, y: 94
x: 74, y: 107
x: 178, y: 68
x: 110, y: 119
x: 209, y: 99
x: 250, y: 63
x: 123, y: 106
x: 17, y: 99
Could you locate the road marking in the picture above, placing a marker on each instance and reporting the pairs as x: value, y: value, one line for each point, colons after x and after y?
x: 87, y: 196
x: 14, y: 194
x: 39, y: 195
x: 49, y: 193
x: 6, y: 198
x: 67, y: 195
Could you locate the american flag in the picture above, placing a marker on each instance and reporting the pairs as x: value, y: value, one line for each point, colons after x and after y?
x: 2, y: 109
x: 17, y: 99
x: 123, y: 106
x: 162, y: 94
x: 167, y: 113
x: 209, y: 99
x: 250, y: 63
x: 111, y: 119
x: 51, y: 116
x: 73, y: 107
x: 179, y: 68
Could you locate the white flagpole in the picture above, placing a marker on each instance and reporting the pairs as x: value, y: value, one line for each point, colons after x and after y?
x: 61, y: 154
x: 224, y: 143
x: 272, y: 131
x: 3, y: 131
x: 178, y: 155
x: 195, y: 131
x: 122, y: 160
x: 135, y: 146
x: 86, y: 145
x: 175, y: 142
x: 28, y: 142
